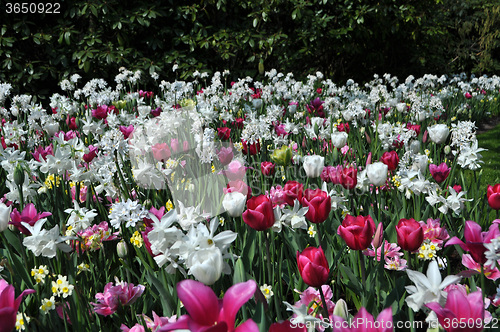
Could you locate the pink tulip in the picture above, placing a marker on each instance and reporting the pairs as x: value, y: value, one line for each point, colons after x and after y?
x: 9, y: 305
x: 461, y: 312
x: 205, y: 312
x: 127, y: 131
x: 29, y: 215
x: 439, y: 173
x: 121, y: 294
x: 475, y: 240
x: 161, y: 151
x: 364, y: 322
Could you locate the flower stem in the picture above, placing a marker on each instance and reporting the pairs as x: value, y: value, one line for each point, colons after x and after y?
x: 325, y: 308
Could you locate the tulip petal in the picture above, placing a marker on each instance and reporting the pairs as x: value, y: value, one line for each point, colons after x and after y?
x: 383, y: 318
x: 8, y: 319
x: 234, y: 299
x: 200, y: 301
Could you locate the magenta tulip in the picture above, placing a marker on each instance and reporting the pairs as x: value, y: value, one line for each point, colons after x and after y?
x: 9, y: 305
x: 357, y: 232
x: 410, y: 234
x: 475, y: 240
x: 313, y: 266
x: 461, y: 312
x: 366, y: 323
x: 205, y: 312
x: 439, y: 173
x: 493, y: 195
x: 319, y: 203
x: 259, y: 214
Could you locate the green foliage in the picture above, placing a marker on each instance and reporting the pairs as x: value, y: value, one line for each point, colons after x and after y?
x: 343, y: 39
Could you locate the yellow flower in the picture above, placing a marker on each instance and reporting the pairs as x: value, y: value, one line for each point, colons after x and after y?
x: 136, y: 239
x: 169, y: 205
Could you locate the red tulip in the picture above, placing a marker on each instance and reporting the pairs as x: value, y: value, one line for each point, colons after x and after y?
x: 357, y: 232
x: 251, y: 149
x: 349, y: 177
x: 468, y: 95
x: 439, y: 173
x: 313, y: 266
x: 293, y: 190
x: 267, y: 168
x: 493, y: 194
x: 410, y: 234
x: 224, y: 133
x: 319, y: 203
x: 391, y: 159
x: 259, y: 214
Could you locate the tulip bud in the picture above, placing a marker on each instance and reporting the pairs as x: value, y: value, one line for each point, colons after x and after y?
x: 122, y: 249
x: 19, y: 175
x: 379, y: 236
x: 335, y: 155
x: 341, y: 309
x: 415, y: 147
x: 369, y: 159
x: 447, y: 149
x: 313, y: 165
x: 282, y: 156
x: 377, y: 173
x: 261, y: 68
x: 368, y: 139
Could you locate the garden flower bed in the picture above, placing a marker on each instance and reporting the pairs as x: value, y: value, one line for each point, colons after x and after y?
x: 277, y: 205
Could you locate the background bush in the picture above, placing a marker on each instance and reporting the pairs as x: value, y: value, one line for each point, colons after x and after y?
x: 342, y: 38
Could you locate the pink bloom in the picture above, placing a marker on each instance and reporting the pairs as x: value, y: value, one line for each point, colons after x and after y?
x: 311, y: 298
x: 277, y: 196
x: 121, y: 294
x: 475, y: 268
x: 235, y: 171
x: 29, y: 215
x: 366, y: 323
x: 239, y: 186
x: 42, y: 152
x: 391, y: 250
x: 127, y: 131
x: 225, y: 155
x: 475, y: 240
x: 135, y: 328
x: 434, y: 232
x: 9, y: 305
x: 161, y: 151
x: 158, y: 321
x: 468, y: 95
x: 88, y: 157
x: 206, y: 313
x: 101, y: 112
x: 461, y: 308
x: 92, y: 237
x: 174, y: 144
x: 395, y: 263
x: 439, y: 173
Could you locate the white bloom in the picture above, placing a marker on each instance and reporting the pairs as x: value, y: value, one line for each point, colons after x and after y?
x: 4, y: 216
x: 469, y: 157
x: 492, y: 252
x: 234, y: 203
x: 377, y: 173
x: 438, y: 133
x: 313, y: 165
x: 339, y: 139
x: 428, y: 288
x: 295, y: 217
x: 43, y: 242
x: 206, y: 265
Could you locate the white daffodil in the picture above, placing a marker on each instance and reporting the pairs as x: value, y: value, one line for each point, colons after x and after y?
x: 43, y: 242
x: 428, y: 288
x: 4, y: 216
x: 295, y: 217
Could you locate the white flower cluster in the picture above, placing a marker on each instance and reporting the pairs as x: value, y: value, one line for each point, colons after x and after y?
x: 129, y: 213
x: 199, y: 251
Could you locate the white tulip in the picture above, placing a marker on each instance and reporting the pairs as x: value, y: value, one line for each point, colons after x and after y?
x: 4, y: 216
x: 313, y: 165
x: 234, y: 203
x: 339, y: 139
x: 206, y: 265
x: 377, y: 173
x: 438, y: 133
